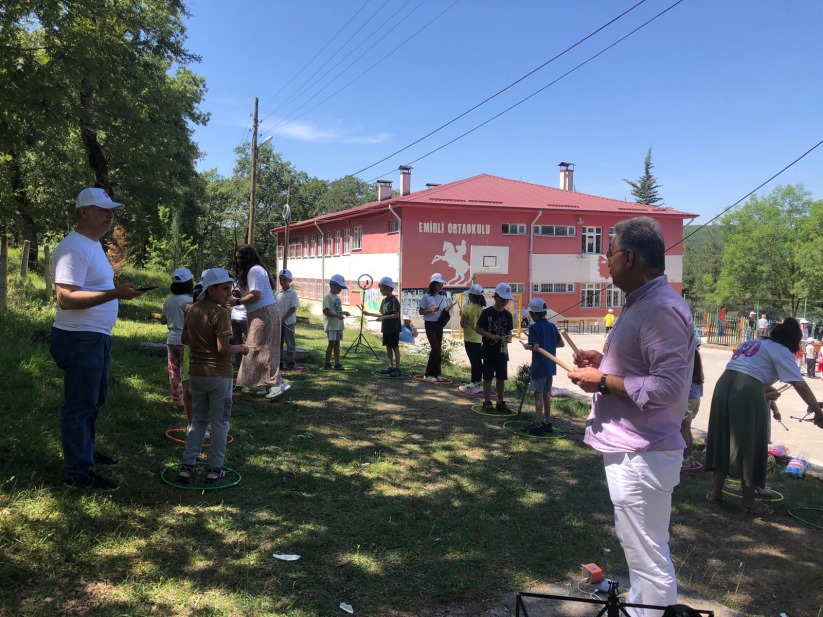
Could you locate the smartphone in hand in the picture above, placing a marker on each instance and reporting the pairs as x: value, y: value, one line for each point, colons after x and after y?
x: 149, y: 288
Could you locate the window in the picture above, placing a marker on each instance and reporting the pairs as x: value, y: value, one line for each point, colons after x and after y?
x: 518, y: 288
x: 611, y: 234
x: 553, y: 288
x: 280, y: 252
x: 305, y: 246
x: 554, y: 230
x: 337, y: 242
x: 311, y: 245
x: 394, y: 227
x: 344, y: 296
x: 514, y: 229
x: 615, y: 297
x: 358, y: 238
x: 591, y: 240
x: 329, y: 244
x: 590, y: 295
x: 346, y: 242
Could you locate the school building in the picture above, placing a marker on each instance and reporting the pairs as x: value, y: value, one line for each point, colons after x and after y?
x: 543, y: 241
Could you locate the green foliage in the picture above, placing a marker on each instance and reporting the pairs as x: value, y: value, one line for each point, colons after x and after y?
x: 702, y: 264
x: 171, y: 249
x: 645, y: 189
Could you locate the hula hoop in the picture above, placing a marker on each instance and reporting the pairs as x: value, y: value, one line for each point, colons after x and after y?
x: 421, y: 377
x: 733, y: 482
x: 697, y: 467
x: 170, y: 435
x: 516, y: 428
x: 477, y: 395
x: 380, y: 375
x: 792, y: 513
x: 478, y: 409
x: 299, y: 368
x: 202, y: 486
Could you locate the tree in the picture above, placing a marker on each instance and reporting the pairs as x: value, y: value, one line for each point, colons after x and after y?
x: 646, y: 187
x: 345, y: 193
x: 702, y: 263
x: 769, y: 249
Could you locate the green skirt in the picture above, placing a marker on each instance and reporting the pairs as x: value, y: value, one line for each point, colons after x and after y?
x: 738, y: 442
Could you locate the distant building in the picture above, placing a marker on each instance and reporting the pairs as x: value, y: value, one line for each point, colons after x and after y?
x: 543, y: 241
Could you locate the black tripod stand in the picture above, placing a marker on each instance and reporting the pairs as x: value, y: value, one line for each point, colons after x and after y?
x: 612, y: 606
x: 362, y: 340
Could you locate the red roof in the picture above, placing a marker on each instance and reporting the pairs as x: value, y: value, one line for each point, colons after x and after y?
x: 485, y: 190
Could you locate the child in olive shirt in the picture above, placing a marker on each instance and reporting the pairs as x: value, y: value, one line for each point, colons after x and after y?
x: 495, y: 326
x: 389, y: 316
x: 333, y: 316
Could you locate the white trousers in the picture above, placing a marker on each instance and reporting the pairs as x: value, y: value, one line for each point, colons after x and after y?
x: 640, y: 487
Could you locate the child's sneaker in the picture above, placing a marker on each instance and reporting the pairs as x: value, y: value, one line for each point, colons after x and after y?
x: 488, y: 406
x: 385, y: 371
x: 91, y: 481
x: 431, y: 378
x: 339, y: 367
x: 327, y: 366
x: 395, y: 372
x: 475, y: 388
x: 441, y: 379
x: 215, y: 473
x: 534, y: 430
x: 185, y: 473
x: 548, y: 429
x: 502, y: 408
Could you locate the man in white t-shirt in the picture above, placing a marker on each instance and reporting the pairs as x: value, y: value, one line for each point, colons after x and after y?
x: 763, y: 326
x: 288, y: 301
x: 87, y: 303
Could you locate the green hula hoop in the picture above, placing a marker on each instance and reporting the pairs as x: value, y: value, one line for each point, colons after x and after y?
x: 515, y: 427
x: 733, y: 482
x: 203, y: 486
x: 380, y: 375
x: 478, y: 409
x: 793, y: 514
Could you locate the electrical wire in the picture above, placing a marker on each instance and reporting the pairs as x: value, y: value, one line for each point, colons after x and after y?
x: 337, y: 51
x: 508, y: 87
x: 291, y: 118
x: 532, y: 95
x: 314, y: 57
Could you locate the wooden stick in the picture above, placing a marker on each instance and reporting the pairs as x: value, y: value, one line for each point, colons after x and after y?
x: 556, y: 360
x: 569, y: 340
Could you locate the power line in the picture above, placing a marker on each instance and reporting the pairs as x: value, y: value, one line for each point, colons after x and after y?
x: 292, y: 117
x: 337, y: 51
x: 314, y: 57
x: 533, y: 94
x: 501, y: 91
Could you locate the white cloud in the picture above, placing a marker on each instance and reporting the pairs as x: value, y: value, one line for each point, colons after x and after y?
x: 304, y: 131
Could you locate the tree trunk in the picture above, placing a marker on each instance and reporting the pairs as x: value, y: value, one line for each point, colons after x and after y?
x: 94, y: 151
x: 22, y: 207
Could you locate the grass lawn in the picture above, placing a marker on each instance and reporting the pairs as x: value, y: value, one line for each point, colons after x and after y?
x: 399, y: 500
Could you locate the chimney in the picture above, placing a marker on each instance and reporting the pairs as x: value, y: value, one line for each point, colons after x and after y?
x: 567, y: 176
x: 383, y: 190
x: 405, y: 180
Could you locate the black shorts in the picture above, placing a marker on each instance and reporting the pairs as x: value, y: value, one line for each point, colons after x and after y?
x: 495, y: 364
x: 391, y: 339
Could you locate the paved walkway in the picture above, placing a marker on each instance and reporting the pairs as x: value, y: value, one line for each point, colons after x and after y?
x: 801, y: 438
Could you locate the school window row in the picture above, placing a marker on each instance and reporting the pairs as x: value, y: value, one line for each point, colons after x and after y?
x: 316, y: 289
x: 339, y: 242
x: 591, y: 237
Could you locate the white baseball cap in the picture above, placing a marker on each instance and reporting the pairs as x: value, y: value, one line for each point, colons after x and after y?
x: 504, y: 290
x: 537, y: 305
x: 286, y: 273
x: 810, y: 339
x: 476, y: 290
x: 338, y: 280
x: 611, y: 310
x: 437, y: 278
x: 386, y: 280
x: 214, y: 276
x: 804, y: 320
x: 182, y: 275
x: 406, y: 318
x: 96, y: 197
x: 752, y: 313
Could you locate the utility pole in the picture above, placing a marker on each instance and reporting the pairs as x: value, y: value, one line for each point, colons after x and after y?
x: 252, y: 197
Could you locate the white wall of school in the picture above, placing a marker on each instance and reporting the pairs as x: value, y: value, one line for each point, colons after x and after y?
x: 552, y: 268
x: 350, y: 266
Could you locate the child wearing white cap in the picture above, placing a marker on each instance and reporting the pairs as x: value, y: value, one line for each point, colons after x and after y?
x: 390, y: 326
x: 208, y: 329
x: 288, y: 301
x: 472, y: 341
x: 543, y: 334
x: 182, y: 285
x: 333, y: 316
x: 435, y: 310
x: 811, y: 357
x: 495, y: 325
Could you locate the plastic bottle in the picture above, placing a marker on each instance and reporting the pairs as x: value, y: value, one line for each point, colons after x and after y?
x: 797, y: 466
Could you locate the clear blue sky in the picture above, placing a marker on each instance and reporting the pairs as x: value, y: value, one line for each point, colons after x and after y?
x: 726, y: 93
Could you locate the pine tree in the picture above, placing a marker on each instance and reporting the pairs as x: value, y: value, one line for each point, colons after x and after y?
x: 646, y: 187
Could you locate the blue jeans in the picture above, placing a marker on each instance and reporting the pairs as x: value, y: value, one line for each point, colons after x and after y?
x: 85, y: 358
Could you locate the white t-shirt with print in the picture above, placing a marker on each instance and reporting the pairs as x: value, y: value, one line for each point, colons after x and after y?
x: 258, y: 280
x: 766, y: 361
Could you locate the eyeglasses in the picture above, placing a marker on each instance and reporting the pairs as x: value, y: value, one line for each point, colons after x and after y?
x: 610, y: 254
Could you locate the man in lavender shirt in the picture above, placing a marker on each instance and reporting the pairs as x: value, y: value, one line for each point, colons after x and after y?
x: 641, y: 386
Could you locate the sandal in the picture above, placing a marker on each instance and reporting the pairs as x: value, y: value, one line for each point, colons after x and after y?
x: 758, y: 508
x: 712, y: 499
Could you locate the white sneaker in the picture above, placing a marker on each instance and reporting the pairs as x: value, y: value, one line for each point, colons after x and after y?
x: 278, y: 390
x: 440, y: 378
x: 475, y: 389
x: 430, y: 378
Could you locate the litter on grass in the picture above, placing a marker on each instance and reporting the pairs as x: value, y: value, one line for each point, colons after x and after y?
x: 284, y: 557
x: 347, y: 607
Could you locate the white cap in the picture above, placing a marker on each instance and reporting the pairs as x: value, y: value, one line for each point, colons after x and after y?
x: 386, y: 280
x: 752, y: 313
x: 611, y: 310
x: 810, y: 339
x: 504, y: 290
x: 214, y: 276
x: 476, y: 290
x: 804, y: 320
x: 406, y: 318
x: 96, y: 197
x: 286, y: 273
x: 182, y: 275
x: 537, y: 305
x: 437, y: 278
x: 338, y: 280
